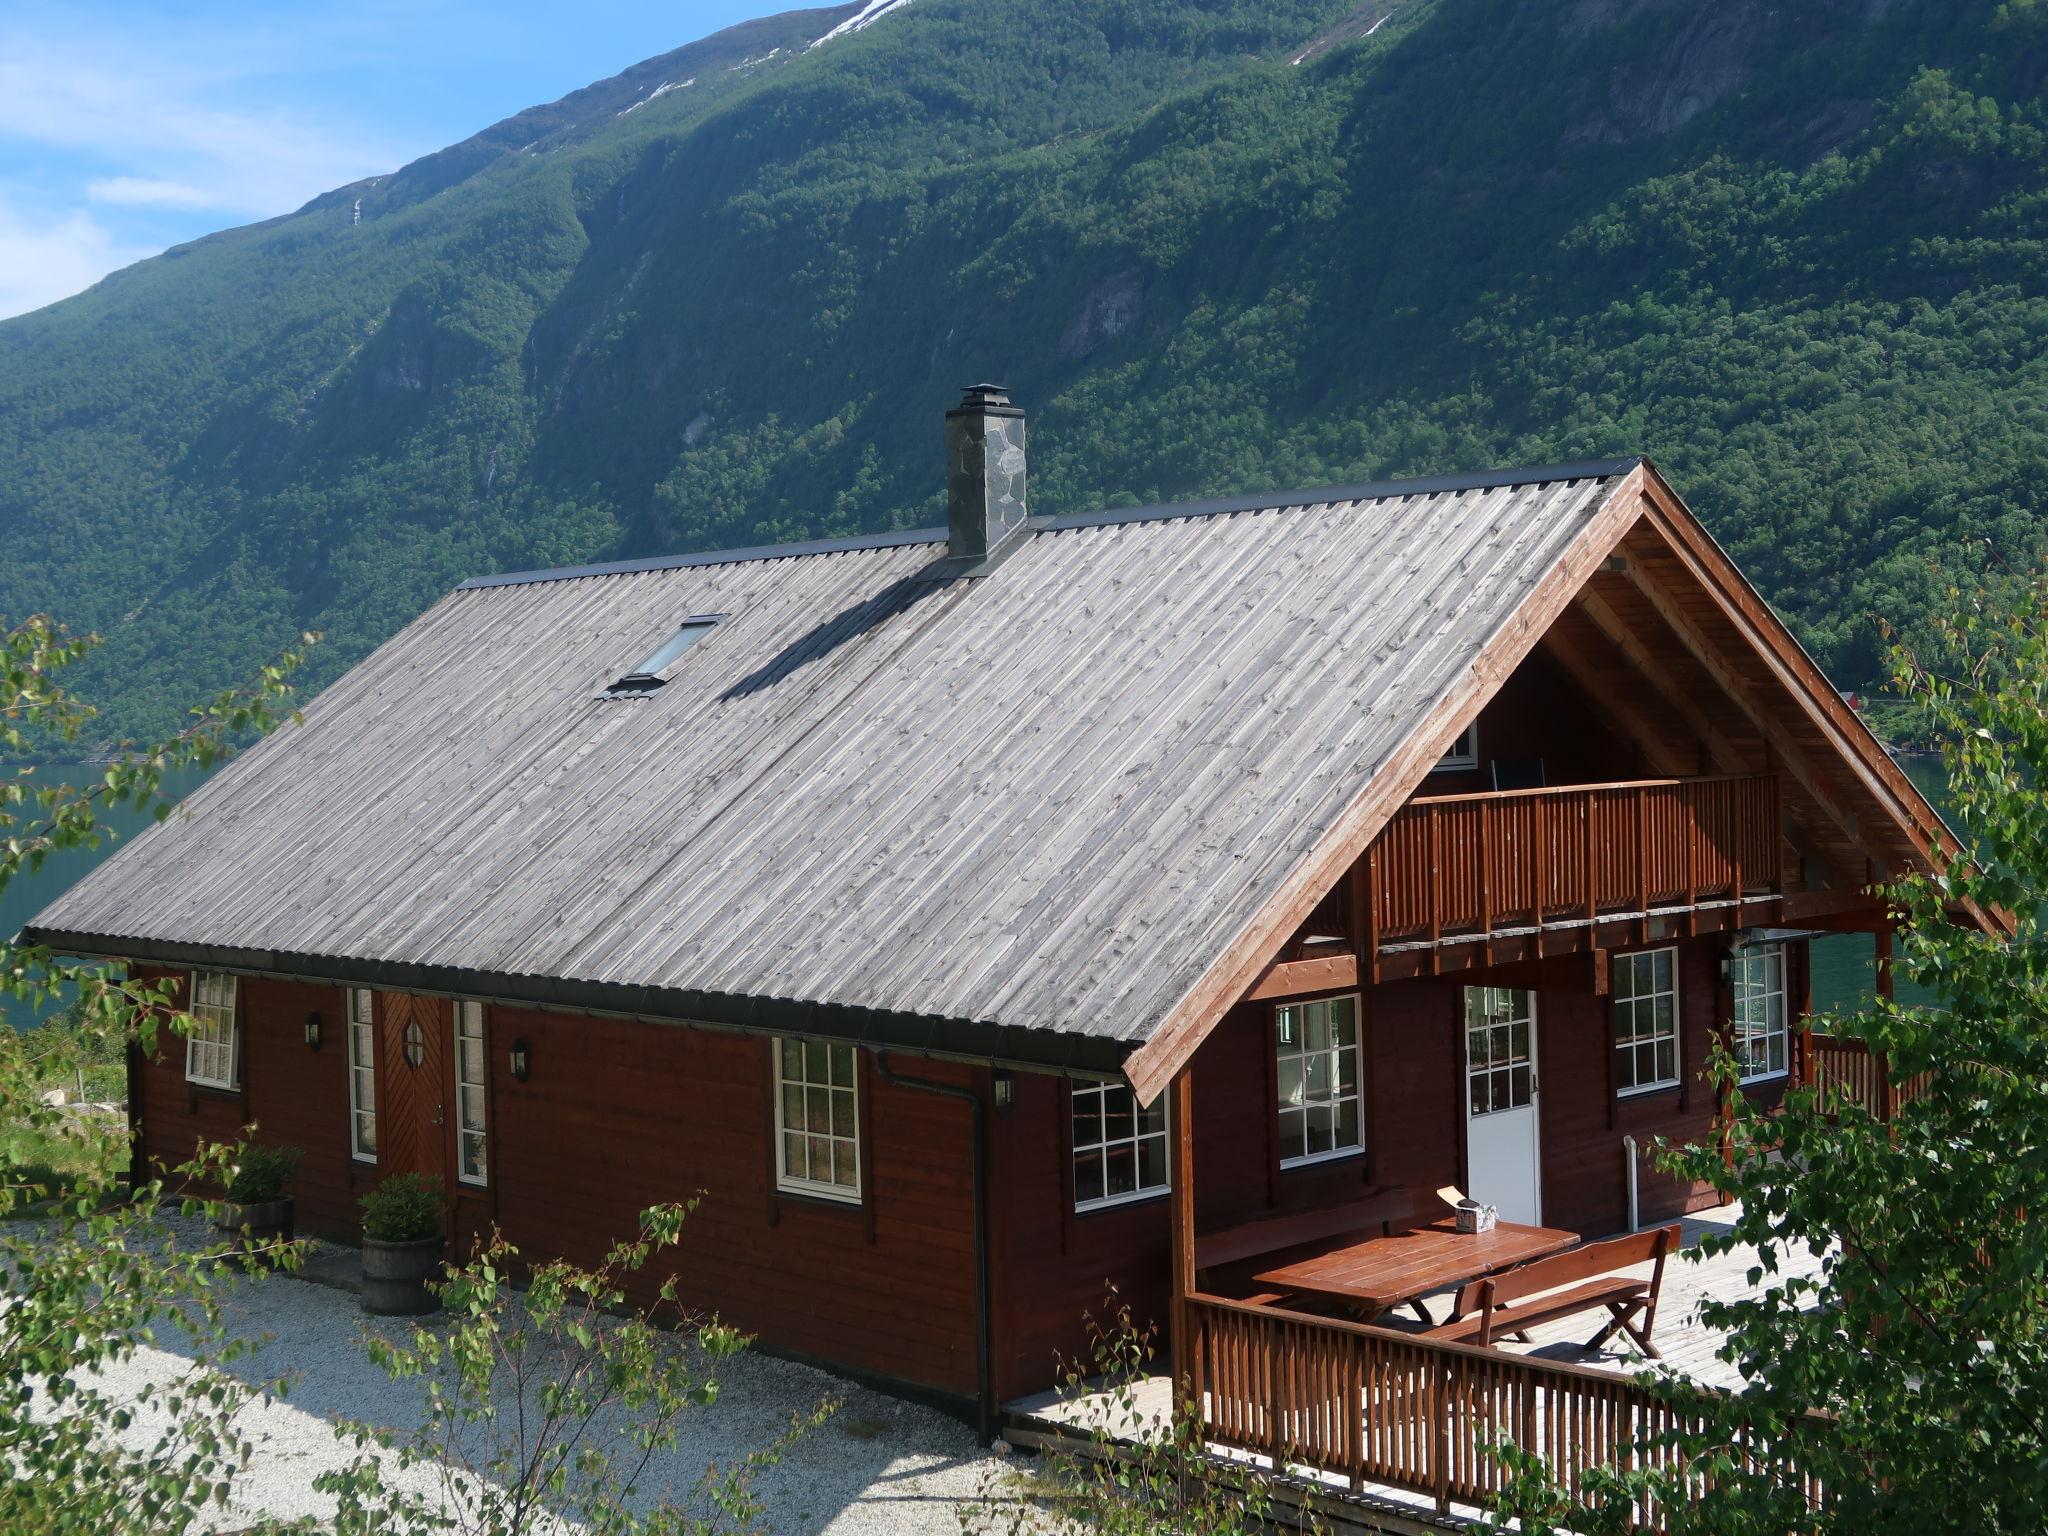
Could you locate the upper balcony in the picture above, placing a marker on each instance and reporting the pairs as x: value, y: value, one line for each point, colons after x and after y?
x: 1491, y: 876
x: 1456, y: 882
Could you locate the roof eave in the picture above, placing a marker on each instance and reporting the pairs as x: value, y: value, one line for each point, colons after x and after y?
x: 997, y: 1045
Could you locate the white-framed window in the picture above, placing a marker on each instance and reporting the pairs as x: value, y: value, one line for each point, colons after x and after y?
x: 213, y: 1051
x: 1645, y: 1020
x: 1761, y: 1035
x: 1119, y: 1146
x: 817, y: 1119
x: 1464, y: 753
x: 471, y: 1152
x: 362, y: 1075
x: 1317, y: 1072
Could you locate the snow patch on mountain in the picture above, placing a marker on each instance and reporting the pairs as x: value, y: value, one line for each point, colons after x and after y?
x: 660, y: 90
x: 867, y: 15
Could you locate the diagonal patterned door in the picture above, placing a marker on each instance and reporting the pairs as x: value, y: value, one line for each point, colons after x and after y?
x: 412, y: 1085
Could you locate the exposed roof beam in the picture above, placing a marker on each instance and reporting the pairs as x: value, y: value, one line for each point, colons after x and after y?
x: 1623, y: 716
x: 1791, y: 756
x: 1724, y: 754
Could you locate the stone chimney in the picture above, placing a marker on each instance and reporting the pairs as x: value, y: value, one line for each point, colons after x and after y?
x: 984, y: 473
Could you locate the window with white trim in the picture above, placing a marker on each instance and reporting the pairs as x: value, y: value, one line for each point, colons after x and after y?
x: 1464, y: 753
x: 817, y: 1119
x: 1119, y: 1146
x: 1316, y: 1063
x: 213, y: 1049
x: 362, y: 1075
x: 1761, y: 1035
x: 470, y: 1078
x: 1645, y: 1021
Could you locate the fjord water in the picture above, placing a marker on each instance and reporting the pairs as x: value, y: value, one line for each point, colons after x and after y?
x: 1842, y: 964
x: 28, y: 894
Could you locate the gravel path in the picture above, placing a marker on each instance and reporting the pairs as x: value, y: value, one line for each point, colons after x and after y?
x: 880, y: 1464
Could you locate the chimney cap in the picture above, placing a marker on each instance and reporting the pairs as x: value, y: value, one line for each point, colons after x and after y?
x: 985, y: 400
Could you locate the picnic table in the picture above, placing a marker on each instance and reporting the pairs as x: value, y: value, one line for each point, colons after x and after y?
x: 1380, y: 1273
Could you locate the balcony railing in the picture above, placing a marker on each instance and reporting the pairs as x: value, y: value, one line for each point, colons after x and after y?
x: 1455, y: 868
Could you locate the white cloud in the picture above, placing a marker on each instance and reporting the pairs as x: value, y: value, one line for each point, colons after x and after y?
x: 147, y: 191
x: 113, y: 142
x: 42, y: 261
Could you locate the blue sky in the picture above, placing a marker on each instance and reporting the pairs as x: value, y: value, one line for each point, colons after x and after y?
x: 127, y: 127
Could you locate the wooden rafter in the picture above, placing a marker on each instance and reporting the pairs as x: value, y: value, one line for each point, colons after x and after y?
x: 1722, y: 752
x: 1618, y: 712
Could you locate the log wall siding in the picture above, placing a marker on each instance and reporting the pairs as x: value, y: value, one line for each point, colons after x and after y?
x: 293, y: 1095
x: 616, y: 1116
x: 1053, y: 1265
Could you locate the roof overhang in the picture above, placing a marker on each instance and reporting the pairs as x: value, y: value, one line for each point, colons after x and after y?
x: 1026, y: 1050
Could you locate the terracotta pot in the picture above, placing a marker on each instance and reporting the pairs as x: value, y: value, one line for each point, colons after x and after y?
x: 395, y: 1276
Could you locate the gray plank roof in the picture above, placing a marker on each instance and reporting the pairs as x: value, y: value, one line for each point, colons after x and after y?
x: 1039, y: 803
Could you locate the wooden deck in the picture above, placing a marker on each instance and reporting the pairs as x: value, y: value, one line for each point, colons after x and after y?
x: 1689, y: 1348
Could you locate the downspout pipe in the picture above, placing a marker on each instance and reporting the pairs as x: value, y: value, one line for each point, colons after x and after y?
x: 984, y: 1343
x: 1628, y: 1151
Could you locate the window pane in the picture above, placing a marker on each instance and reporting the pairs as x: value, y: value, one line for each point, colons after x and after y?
x: 819, y: 1149
x: 1087, y: 1176
x: 1121, y: 1163
x: 472, y: 1107
x: 842, y: 1066
x: 843, y: 1160
x: 1347, y: 1124
x: 1119, y: 1119
x: 794, y: 1163
x: 817, y: 1064
x: 1152, y: 1163
x: 1290, y: 1081
x: 1293, y: 1133
x: 1318, y: 1025
x: 1087, y: 1118
x: 818, y: 1109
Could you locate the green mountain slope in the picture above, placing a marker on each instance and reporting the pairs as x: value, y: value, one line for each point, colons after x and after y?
x: 1794, y: 251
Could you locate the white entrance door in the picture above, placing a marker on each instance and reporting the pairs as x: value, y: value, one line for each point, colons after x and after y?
x: 1503, y: 1162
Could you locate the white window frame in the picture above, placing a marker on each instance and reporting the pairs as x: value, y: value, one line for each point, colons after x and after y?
x: 1332, y: 1057
x: 216, y: 1031
x: 1142, y: 1132
x: 1756, y: 979
x: 802, y: 1183
x: 1639, y: 1041
x: 359, y: 1034
x: 1463, y: 756
x: 469, y: 1013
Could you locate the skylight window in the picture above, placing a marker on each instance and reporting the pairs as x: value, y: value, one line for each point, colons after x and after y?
x: 651, y: 671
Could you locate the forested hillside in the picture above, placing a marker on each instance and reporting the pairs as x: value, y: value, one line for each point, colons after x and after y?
x: 1794, y: 251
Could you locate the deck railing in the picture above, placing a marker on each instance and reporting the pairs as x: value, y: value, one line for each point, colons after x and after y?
x: 1465, y: 865
x: 1376, y: 1406
x: 1863, y: 1076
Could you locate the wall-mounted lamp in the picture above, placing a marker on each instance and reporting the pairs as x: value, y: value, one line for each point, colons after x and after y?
x: 519, y: 1061
x: 1005, y: 1090
x: 313, y: 1031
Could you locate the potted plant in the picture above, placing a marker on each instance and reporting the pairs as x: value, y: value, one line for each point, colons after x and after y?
x: 254, y: 1204
x: 401, y: 1245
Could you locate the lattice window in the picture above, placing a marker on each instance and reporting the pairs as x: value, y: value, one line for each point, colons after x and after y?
x: 213, y: 1049
x: 470, y: 1087
x: 1645, y: 1021
x: 362, y: 1075
x: 1761, y: 1033
x: 817, y: 1119
x: 1317, y: 1071
x: 1119, y: 1146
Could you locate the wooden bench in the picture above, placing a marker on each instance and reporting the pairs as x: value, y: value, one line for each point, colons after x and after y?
x: 1583, y: 1280
x: 1377, y: 1213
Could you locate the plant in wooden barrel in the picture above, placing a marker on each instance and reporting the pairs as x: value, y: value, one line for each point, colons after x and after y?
x: 255, y: 1204
x: 402, y: 1245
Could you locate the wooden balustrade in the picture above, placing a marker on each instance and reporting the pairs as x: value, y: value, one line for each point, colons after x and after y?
x: 1377, y: 1406
x: 1463, y: 866
x: 1863, y: 1076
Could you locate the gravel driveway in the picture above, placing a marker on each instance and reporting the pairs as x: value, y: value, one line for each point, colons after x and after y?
x: 879, y: 1464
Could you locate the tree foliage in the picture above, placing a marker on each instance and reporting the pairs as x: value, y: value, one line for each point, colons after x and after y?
x: 92, y: 1276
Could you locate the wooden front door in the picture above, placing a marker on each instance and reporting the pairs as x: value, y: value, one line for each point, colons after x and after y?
x: 412, y: 1085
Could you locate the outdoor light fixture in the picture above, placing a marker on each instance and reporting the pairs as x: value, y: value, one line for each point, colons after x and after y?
x: 1006, y: 1091
x: 519, y: 1062
x: 313, y: 1030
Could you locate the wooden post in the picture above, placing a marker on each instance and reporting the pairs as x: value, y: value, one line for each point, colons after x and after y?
x: 1887, y: 1092
x: 1180, y: 1119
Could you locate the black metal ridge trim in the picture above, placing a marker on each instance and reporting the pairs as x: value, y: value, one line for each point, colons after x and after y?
x: 1030, y: 1050
x: 1250, y: 501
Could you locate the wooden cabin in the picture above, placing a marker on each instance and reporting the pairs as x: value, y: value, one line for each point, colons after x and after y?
x: 888, y: 890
